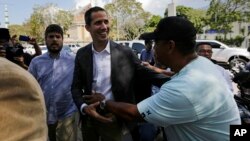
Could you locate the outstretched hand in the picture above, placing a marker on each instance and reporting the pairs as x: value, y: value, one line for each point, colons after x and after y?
x: 91, y: 111
x: 94, y: 97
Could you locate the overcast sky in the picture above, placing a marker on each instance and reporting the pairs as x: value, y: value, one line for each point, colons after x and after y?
x: 20, y: 10
x: 156, y: 7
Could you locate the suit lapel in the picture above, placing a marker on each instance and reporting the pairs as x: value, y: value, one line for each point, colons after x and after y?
x: 114, y: 60
x: 88, y: 65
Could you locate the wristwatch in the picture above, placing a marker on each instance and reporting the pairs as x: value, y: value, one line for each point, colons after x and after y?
x: 102, y: 104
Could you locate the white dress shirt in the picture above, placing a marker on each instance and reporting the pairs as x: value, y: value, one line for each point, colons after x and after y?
x: 101, y: 73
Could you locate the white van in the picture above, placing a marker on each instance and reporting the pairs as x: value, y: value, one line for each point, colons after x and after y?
x: 136, y: 45
x: 235, y: 56
x: 73, y: 47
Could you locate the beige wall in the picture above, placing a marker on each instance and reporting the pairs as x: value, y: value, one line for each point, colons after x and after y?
x: 77, y: 32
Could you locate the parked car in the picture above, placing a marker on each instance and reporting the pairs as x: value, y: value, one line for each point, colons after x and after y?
x: 136, y: 45
x: 65, y: 47
x: 222, y: 53
x: 74, y: 47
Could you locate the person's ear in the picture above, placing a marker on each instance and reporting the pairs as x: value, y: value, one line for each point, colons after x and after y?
x: 171, y: 46
x: 87, y: 27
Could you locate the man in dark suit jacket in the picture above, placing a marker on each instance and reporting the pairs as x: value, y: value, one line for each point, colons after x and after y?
x: 105, y: 70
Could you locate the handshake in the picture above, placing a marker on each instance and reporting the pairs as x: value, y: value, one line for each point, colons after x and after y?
x: 96, y: 108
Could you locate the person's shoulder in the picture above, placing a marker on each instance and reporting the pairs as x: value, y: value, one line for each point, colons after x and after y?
x: 68, y: 55
x: 40, y: 57
x: 20, y: 84
x: 143, y: 51
x: 220, y: 68
x: 84, y: 49
x: 7, y: 67
x: 114, y: 45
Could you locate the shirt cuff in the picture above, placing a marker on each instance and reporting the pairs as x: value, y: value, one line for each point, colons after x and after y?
x: 81, y: 109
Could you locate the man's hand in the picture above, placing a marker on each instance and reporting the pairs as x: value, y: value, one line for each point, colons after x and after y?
x: 94, y: 97
x: 91, y: 111
x: 32, y: 41
x: 20, y: 61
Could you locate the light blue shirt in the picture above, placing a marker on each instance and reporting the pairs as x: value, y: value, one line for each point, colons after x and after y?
x: 55, y: 77
x: 147, y: 56
x: 195, y: 105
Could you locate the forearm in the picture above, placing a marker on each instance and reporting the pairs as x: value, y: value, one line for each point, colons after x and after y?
x: 126, y: 111
x: 38, y: 50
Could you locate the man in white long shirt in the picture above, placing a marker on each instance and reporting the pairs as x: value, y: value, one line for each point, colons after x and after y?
x: 205, y: 50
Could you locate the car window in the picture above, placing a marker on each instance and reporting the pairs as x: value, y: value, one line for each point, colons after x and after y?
x: 127, y: 44
x: 138, y: 47
x: 214, y: 45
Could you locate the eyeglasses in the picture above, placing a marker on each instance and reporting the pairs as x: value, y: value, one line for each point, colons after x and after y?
x: 205, y: 51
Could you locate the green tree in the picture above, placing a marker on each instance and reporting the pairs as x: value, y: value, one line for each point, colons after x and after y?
x: 127, y: 19
x: 43, y: 15
x: 64, y: 18
x: 36, y: 25
x: 152, y: 23
x: 196, y: 16
x: 222, y: 13
x: 18, y: 30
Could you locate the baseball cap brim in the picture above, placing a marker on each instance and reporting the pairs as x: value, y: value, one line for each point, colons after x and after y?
x: 148, y: 36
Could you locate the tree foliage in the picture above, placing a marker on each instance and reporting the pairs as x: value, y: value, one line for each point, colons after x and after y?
x: 152, y: 23
x: 222, y: 13
x: 196, y: 16
x: 64, y: 18
x: 127, y: 18
x: 18, y: 30
x: 36, y: 25
x: 47, y: 14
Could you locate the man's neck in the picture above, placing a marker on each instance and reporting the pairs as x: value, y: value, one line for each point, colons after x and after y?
x: 54, y: 55
x: 183, y: 61
x: 100, y: 46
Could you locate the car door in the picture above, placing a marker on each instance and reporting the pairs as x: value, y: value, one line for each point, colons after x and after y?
x: 218, y: 52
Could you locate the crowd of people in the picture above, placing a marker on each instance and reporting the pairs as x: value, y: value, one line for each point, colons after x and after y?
x: 174, y: 88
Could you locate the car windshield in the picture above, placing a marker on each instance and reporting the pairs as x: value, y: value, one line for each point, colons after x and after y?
x: 138, y: 47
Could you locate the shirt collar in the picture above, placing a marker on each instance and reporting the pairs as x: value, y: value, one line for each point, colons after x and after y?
x: 107, y: 48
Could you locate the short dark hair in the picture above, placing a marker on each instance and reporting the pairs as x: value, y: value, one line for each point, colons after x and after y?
x: 89, y: 12
x: 53, y: 28
x: 178, y: 29
x: 202, y: 43
x: 148, y: 41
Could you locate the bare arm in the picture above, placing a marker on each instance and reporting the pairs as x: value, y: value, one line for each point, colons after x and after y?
x: 157, y: 69
x: 38, y: 50
x: 123, y: 110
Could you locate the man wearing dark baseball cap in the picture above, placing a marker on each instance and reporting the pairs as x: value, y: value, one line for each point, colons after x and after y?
x: 194, y: 104
x: 4, y: 39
